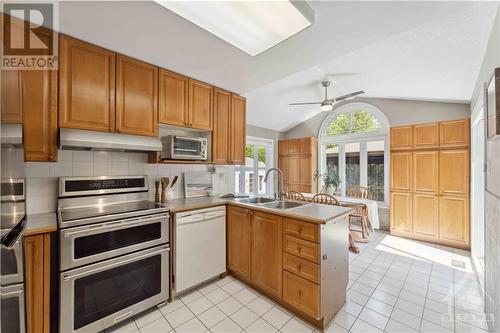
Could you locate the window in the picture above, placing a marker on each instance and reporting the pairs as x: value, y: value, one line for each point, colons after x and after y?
x: 354, y: 147
x: 249, y: 178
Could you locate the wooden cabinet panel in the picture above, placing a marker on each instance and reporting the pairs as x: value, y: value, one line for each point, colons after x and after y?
x: 426, y: 172
x: 454, y: 133
x: 11, y: 97
x: 220, y: 135
x: 401, y: 137
x: 293, y: 146
x: 426, y: 135
x: 454, y: 172
x: 293, y: 169
x: 425, y: 215
x: 291, y: 187
x: 301, y: 248
x: 304, y: 188
x: 454, y: 220
x: 238, y: 237
x: 401, y: 213
x: 173, y: 99
x: 238, y: 129
x: 401, y: 171
x: 301, y: 294
x: 305, y: 170
x: 283, y: 147
x: 86, y: 86
x: 136, y: 97
x: 306, y: 145
x: 301, y: 267
x: 283, y: 166
x: 37, y: 281
x: 39, y: 91
x: 200, y: 105
x: 266, y: 252
x: 301, y: 229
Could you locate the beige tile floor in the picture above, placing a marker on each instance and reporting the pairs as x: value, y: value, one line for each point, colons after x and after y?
x: 395, y: 285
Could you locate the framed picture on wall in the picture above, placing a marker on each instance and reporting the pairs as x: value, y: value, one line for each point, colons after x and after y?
x: 493, y: 105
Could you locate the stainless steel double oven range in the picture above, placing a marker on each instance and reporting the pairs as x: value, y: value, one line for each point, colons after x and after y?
x: 114, y: 251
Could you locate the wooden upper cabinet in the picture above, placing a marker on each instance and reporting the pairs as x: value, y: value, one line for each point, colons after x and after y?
x: 283, y: 166
x: 306, y: 145
x: 239, y: 230
x: 454, y: 172
x: 12, y: 111
x: 454, y: 225
x: 220, y: 134
x: 200, y: 105
x: 283, y: 147
x: 238, y: 129
x: 401, y: 137
x: 401, y: 171
x: 425, y: 215
x: 39, y: 91
x: 426, y: 172
x: 173, y: 99
x: 293, y: 146
x: 136, y: 97
x: 86, y: 86
x: 426, y: 135
x: 455, y: 133
x: 401, y: 213
x: 266, y: 252
x: 293, y: 168
x: 305, y: 170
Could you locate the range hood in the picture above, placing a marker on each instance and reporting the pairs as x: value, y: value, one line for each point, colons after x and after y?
x: 11, y: 135
x: 93, y: 140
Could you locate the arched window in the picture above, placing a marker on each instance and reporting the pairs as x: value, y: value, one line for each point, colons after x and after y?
x: 354, y: 147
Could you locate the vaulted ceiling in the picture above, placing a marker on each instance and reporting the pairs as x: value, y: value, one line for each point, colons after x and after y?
x: 409, y: 50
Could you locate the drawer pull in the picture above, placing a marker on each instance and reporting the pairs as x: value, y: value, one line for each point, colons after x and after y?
x: 300, y: 231
x: 299, y: 268
x: 299, y: 293
x: 299, y: 249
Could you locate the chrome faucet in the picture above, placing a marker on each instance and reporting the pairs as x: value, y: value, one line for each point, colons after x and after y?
x: 280, y: 182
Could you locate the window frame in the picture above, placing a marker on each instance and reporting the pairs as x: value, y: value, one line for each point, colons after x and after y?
x: 383, y: 134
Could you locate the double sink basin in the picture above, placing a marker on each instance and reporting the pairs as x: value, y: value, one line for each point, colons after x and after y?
x: 272, y: 203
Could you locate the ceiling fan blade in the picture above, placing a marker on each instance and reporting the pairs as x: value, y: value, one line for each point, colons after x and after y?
x: 318, y: 103
x: 340, y: 98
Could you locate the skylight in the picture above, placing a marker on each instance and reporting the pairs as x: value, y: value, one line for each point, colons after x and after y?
x: 252, y: 26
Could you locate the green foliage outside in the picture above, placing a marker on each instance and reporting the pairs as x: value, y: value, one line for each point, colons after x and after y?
x: 249, y: 152
x: 353, y: 122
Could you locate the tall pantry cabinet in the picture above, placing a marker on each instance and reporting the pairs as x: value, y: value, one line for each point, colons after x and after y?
x: 298, y: 160
x: 430, y: 182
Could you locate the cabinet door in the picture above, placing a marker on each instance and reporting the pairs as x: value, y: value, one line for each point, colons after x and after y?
x: 220, y: 135
x: 454, y: 172
x: 39, y: 91
x: 305, y: 170
x: 37, y: 281
x: 426, y: 172
x: 306, y: 145
x: 401, y: 171
x: 266, y: 252
x: 401, y: 137
x: 305, y: 188
x: 302, y: 294
x: 238, y: 240
x: 401, y: 213
x: 283, y: 166
x: 454, y: 220
x: 86, y: 86
x: 238, y: 129
x: 200, y: 105
x: 136, y: 97
x: 426, y: 135
x: 11, y: 97
x: 293, y: 146
x: 425, y: 215
x: 173, y: 98
x: 454, y: 133
x: 293, y: 168
x: 283, y: 147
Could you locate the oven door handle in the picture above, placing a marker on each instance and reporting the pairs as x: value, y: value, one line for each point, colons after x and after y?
x: 17, y: 292
x: 114, y: 225
x: 67, y: 277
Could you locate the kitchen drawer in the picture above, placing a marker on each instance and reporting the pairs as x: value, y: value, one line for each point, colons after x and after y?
x: 301, y: 267
x: 301, y: 294
x: 301, y: 229
x: 301, y: 248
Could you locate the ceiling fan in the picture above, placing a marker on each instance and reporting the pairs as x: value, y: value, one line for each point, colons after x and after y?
x: 327, y: 104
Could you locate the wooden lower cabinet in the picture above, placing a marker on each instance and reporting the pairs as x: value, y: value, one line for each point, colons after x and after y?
x: 266, y: 252
x: 239, y: 240
x: 401, y: 213
x: 454, y: 221
x: 37, y: 257
x: 425, y: 215
x: 302, y: 294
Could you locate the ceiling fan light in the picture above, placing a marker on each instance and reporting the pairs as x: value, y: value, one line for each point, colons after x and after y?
x: 326, y: 107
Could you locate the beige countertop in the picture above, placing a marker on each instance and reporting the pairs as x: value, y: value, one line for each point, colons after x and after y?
x: 316, y: 213
x: 40, y: 223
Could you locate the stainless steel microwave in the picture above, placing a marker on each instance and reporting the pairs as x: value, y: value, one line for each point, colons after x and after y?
x: 183, y: 148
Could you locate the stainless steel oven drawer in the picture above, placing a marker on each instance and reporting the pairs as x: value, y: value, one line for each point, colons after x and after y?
x: 12, y: 304
x: 91, y: 243
x: 95, y: 297
x: 11, y: 264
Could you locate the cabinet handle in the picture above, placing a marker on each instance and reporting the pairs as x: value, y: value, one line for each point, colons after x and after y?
x: 299, y: 293
x: 299, y: 249
x: 299, y: 268
x: 300, y: 231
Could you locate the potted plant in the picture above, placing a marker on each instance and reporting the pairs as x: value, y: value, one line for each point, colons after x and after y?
x: 331, y: 182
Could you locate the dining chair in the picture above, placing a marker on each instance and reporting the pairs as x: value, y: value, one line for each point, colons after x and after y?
x: 360, y: 210
x: 326, y: 199
x: 358, y: 191
x: 294, y: 195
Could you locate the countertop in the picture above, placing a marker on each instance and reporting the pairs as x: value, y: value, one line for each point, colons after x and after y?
x: 40, y: 223
x: 312, y: 212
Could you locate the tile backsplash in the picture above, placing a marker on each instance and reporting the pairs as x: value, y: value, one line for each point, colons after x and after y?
x: 41, y: 177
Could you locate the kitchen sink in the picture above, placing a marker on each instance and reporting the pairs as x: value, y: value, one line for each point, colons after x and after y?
x: 258, y: 200
x: 283, y: 204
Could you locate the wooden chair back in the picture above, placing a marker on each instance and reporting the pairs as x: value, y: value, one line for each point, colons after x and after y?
x: 294, y: 195
x: 326, y: 199
x: 358, y: 191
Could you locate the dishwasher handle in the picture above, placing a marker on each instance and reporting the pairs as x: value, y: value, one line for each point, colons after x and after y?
x: 201, y: 217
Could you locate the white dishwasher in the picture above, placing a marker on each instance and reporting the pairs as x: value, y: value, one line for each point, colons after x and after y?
x: 200, y: 246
